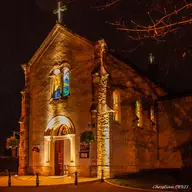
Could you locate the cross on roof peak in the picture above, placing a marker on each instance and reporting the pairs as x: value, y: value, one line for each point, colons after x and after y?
x: 61, y: 8
x: 151, y: 58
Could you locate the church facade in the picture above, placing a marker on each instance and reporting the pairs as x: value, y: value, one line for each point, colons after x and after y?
x: 73, y: 86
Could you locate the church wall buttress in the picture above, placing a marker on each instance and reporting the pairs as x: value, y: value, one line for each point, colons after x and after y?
x: 103, y: 114
x: 24, y: 125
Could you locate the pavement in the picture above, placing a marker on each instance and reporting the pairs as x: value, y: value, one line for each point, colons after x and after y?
x: 43, y: 180
x: 61, y: 184
x: 92, y: 186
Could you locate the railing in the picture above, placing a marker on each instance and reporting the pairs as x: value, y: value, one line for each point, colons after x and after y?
x: 36, y: 177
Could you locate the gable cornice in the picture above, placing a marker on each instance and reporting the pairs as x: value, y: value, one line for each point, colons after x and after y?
x: 45, y: 45
x: 57, y: 29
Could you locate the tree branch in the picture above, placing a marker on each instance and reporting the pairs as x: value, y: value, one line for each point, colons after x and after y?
x: 159, y: 28
x: 107, y: 5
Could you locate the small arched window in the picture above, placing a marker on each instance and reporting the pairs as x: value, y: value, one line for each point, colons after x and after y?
x: 57, y: 84
x: 138, y: 113
x: 152, y: 114
x: 116, y: 106
x: 66, y: 82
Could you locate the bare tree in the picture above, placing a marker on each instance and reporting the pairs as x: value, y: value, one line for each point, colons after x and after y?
x: 154, y: 24
x: 159, y: 28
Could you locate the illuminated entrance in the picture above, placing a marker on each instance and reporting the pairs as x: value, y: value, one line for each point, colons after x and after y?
x: 59, y: 145
x: 62, y: 156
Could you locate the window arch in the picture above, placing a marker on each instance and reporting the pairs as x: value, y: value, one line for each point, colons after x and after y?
x: 57, y: 84
x: 66, y: 82
x: 138, y: 112
x: 116, y: 106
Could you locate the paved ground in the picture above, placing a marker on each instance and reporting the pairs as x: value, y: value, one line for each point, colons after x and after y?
x: 59, y: 184
x: 48, y: 180
x: 94, y: 186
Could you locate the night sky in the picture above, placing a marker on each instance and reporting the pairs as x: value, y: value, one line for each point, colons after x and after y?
x: 24, y: 24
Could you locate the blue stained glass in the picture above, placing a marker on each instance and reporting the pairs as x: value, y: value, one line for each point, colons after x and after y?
x: 66, y: 89
x: 56, y: 94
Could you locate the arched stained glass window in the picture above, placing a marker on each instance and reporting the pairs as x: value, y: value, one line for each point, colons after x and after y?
x: 66, y: 82
x: 138, y: 113
x: 152, y: 114
x: 116, y: 106
x: 57, y: 84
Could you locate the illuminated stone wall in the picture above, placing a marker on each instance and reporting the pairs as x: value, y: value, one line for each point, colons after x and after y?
x: 132, y: 148
x: 79, y: 54
x: 121, y: 146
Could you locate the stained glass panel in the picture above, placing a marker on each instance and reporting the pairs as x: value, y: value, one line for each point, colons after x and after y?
x: 66, y: 81
x: 138, y: 111
x: 57, y: 85
x: 116, y: 106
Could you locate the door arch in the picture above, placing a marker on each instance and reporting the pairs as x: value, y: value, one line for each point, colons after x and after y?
x: 60, y: 135
x: 57, y: 123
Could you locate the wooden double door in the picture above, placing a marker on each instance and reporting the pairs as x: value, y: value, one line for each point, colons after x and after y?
x: 62, y: 156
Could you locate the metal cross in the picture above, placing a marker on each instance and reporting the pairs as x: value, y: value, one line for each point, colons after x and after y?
x: 61, y: 8
x: 151, y: 58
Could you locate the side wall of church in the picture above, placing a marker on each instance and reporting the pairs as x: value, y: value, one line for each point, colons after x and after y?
x: 76, y: 107
x: 175, y: 133
x: 132, y: 148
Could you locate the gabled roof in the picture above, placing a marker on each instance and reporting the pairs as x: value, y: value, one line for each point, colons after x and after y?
x: 157, y: 90
x: 57, y: 29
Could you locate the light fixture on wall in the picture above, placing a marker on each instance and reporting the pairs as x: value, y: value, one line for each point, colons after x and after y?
x: 93, y: 116
x: 96, y: 77
x: 93, y: 113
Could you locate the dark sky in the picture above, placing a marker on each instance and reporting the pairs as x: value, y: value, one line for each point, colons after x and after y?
x: 24, y: 24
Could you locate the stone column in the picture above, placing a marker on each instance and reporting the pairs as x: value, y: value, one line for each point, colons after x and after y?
x: 103, y: 145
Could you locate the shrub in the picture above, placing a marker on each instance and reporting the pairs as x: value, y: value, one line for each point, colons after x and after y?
x: 12, y: 142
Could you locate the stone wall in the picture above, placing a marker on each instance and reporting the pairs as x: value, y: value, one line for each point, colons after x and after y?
x: 132, y: 148
x: 175, y: 132
x: 65, y: 48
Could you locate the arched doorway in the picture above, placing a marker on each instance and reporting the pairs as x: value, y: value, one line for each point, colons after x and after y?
x: 60, y: 145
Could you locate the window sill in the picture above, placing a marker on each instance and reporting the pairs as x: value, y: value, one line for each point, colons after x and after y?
x: 60, y: 100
